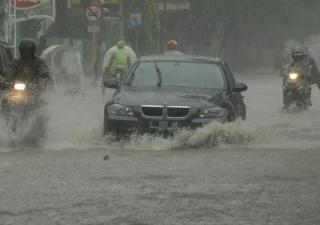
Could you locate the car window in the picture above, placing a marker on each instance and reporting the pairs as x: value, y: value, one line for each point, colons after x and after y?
x: 185, y: 74
x: 230, y: 77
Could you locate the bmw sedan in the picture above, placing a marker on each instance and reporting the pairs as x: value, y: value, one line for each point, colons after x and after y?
x: 166, y: 93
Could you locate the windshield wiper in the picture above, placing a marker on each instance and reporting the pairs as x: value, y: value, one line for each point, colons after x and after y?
x: 159, y: 75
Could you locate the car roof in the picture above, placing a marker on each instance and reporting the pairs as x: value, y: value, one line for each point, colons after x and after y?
x: 180, y: 58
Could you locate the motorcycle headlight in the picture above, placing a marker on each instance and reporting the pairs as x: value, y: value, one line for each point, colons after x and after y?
x: 214, y: 112
x: 293, y: 76
x: 120, y: 110
x: 19, y: 86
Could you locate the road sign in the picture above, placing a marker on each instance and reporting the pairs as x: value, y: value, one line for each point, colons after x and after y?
x: 93, y: 29
x: 135, y: 20
x: 24, y: 4
x: 93, y: 13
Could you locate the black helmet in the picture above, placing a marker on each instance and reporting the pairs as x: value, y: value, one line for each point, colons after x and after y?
x: 300, y: 55
x: 27, y: 49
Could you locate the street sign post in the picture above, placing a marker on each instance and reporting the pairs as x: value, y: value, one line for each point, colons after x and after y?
x: 94, y: 29
x: 135, y: 22
x: 93, y: 13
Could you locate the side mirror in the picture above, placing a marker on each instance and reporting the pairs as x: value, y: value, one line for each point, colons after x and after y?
x: 111, y: 83
x: 240, y: 87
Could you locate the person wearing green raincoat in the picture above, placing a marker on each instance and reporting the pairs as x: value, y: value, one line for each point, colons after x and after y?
x: 120, y: 62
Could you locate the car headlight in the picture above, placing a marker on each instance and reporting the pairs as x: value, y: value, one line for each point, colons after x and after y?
x: 120, y: 110
x: 19, y: 86
x: 293, y: 76
x: 214, y: 112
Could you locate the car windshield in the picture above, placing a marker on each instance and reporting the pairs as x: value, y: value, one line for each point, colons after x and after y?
x: 184, y: 74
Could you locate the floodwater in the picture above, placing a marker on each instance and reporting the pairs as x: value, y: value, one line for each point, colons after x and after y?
x: 262, y: 171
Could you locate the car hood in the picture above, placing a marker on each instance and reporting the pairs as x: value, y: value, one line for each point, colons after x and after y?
x: 175, y: 96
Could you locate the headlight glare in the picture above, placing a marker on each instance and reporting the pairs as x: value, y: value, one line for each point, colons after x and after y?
x: 19, y: 86
x: 214, y: 112
x: 293, y: 76
x: 120, y: 110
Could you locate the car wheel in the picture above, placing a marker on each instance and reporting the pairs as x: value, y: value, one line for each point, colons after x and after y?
x: 117, y: 134
x: 242, y: 111
x: 106, y: 129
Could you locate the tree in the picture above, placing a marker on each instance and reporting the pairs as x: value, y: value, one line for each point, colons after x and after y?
x: 2, y: 18
x: 148, y: 34
x: 249, y: 31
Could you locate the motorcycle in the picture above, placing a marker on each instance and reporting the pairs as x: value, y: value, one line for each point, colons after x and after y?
x: 296, y: 88
x: 22, y: 109
x: 115, y: 79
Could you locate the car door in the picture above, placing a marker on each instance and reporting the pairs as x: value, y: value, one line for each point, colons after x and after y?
x: 234, y: 98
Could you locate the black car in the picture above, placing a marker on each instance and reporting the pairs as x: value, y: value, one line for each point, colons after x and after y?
x: 165, y: 93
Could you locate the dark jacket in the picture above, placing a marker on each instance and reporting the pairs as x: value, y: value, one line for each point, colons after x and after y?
x: 315, y: 74
x: 34, y: 71
x: 312, y: 67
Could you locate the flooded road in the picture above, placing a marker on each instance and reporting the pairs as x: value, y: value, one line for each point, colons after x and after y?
x: 262, y: 171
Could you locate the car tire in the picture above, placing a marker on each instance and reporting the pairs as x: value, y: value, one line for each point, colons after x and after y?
x: 106, y: 130
x: 118, y: 134
x: 242, y: 110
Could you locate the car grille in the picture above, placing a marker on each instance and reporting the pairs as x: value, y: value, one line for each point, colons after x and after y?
x: 177, y: 112
x: 152, y: 111
x: 165, y: 112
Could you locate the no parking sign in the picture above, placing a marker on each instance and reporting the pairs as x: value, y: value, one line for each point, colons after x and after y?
x: 93, y: 13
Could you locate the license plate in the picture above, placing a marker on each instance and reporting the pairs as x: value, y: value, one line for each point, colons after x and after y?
x: 161, y: 125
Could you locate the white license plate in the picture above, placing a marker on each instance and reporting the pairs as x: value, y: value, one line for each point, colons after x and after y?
x: 163, y: 124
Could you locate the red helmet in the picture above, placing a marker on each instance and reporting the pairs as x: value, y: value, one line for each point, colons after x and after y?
x: 172, y: 45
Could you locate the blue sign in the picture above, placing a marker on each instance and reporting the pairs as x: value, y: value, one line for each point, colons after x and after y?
x: 135, y: 20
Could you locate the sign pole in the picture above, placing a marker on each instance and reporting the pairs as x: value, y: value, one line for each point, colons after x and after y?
x: 15, y: 28
x: 136, y: 31
x: 94, y: 55
x: 135, y: 23
x: 93, y: 14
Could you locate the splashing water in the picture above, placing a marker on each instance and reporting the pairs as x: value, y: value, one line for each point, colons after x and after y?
x: 4, y: 135
x: 78, y: 124
x: 208, y: 136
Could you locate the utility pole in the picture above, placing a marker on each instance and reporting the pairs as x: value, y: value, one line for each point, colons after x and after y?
x: 164, y: 24
x: 94, y: 43
x: 2, y: 18
x: 123, y: 19
x: 69, y: 6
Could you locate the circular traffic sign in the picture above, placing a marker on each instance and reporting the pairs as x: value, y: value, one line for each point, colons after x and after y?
x: 93, y: 13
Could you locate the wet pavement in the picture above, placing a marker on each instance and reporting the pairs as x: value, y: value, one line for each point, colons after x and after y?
x: 267, y: 172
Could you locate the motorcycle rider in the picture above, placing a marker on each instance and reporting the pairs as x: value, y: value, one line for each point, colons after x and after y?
x: 120, y: 61
x: 28, y: 67
x: 301, y: 59
x: 172, y: 48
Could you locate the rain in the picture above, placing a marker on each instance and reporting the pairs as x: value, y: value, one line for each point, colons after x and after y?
x: 97, y: 147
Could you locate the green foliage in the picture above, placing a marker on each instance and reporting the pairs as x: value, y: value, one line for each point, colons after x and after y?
x: 2, y: 17
x: 148, y: 34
